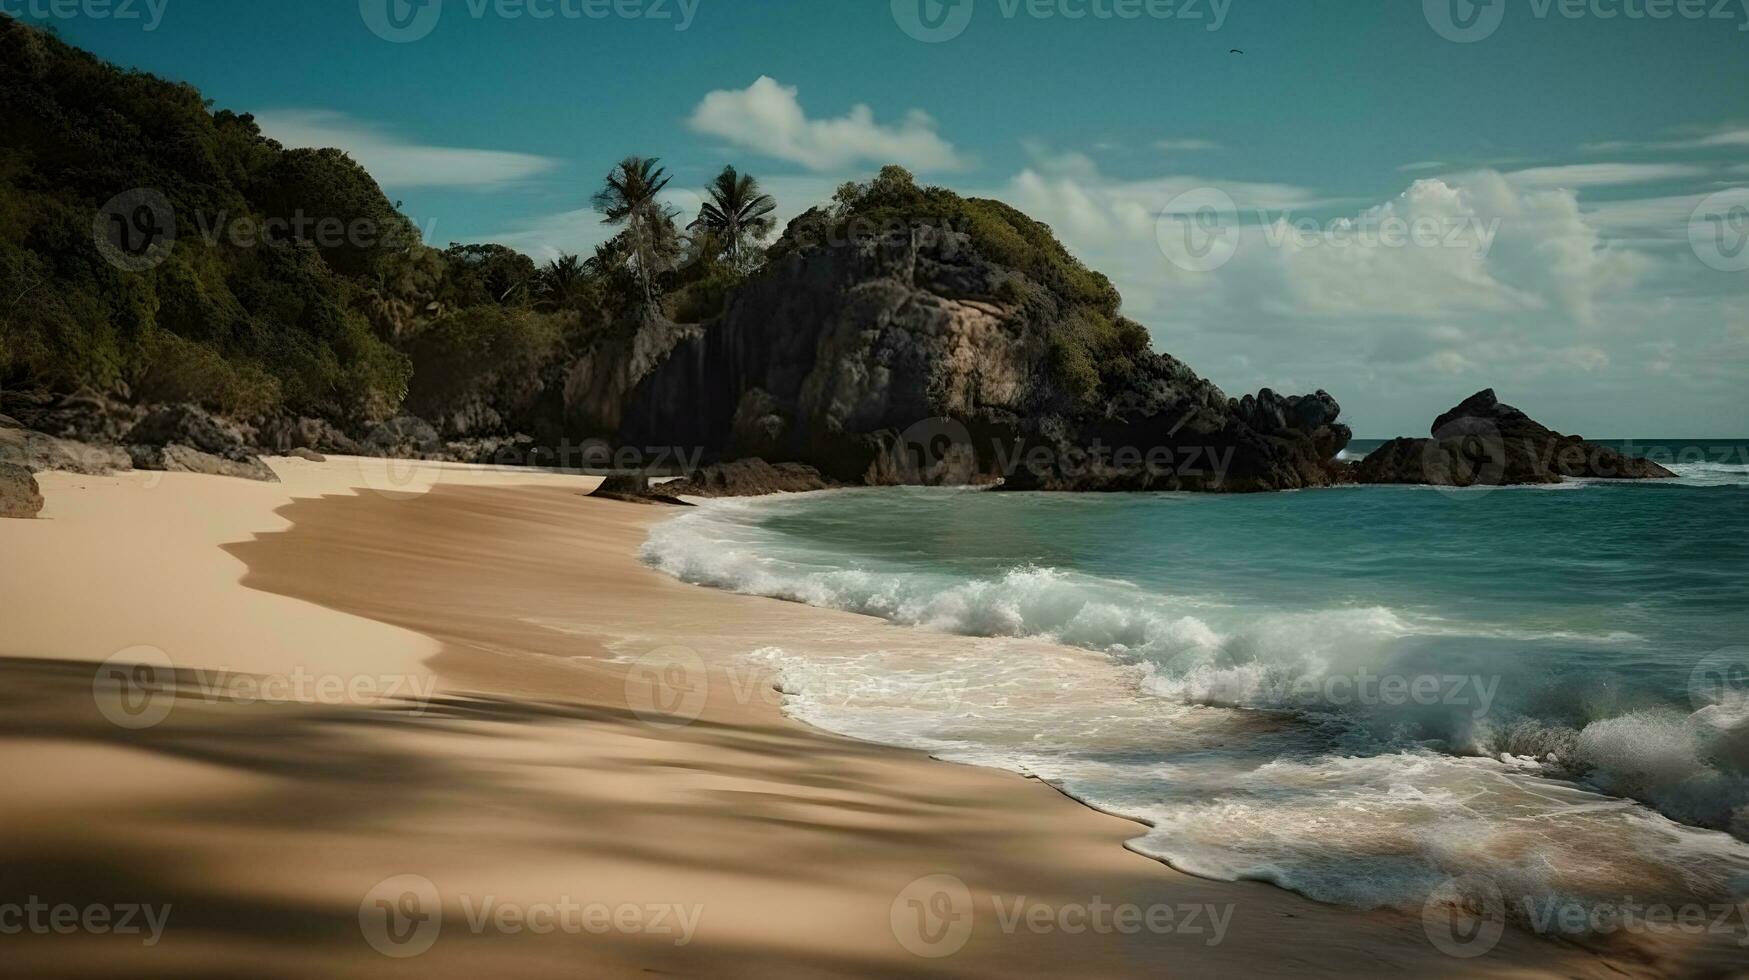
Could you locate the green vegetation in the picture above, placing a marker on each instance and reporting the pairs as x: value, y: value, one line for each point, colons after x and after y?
x: 650, y: 240
x: 243, y: 327
x: 292, y: 284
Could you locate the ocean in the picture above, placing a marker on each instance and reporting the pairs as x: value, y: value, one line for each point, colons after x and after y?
x: 1358, y: 693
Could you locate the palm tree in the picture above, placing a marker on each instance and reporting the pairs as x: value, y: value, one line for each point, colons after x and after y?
x: 737, y: 212
x: 562, y: 281
x: 629, y: 199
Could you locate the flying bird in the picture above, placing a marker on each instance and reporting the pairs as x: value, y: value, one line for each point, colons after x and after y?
x: 1235, y: 51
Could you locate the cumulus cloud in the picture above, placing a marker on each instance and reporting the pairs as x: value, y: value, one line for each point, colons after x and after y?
x: 767, y: 117
x: 395, y: 161
x: 1517, y: 283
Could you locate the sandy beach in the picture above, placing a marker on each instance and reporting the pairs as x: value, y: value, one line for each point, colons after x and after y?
x: 451, y: 726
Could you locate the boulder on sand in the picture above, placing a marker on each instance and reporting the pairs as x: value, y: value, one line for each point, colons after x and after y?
x: 19, y: 495
x: 183, y: 459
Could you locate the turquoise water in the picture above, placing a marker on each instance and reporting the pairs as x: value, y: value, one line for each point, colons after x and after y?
x: 1356, y: 693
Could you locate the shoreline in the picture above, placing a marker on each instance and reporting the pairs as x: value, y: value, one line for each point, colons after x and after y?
x: 546, y: 763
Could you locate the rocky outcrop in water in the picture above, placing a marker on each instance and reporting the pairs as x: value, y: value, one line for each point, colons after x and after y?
x: 1482, y: 442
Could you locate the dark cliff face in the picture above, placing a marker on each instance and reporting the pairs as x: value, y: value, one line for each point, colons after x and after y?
x: 1482, y: 442
x: 912, y: 359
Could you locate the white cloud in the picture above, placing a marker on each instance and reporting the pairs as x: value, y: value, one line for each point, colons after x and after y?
x: 1727, y: 136
x: 767, y: 117
x: 394, y: 161
x: 1603, y: 174
x: 1646, y: 220
x: 1186, y: 146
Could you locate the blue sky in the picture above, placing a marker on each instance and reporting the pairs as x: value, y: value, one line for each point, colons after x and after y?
x: 1575, y: 181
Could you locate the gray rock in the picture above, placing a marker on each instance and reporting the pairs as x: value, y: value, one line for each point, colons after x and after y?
x: 39, y: 452
x: 1483, y: 442
x: 403, y: 437
x: 83, y: 416
x: 282, y: 435
x: 184, y: 459
x: 307, y: 454
x: 19, y: 495
x: 189, y: 425
x: 838, y: 352
x: 748, y: 478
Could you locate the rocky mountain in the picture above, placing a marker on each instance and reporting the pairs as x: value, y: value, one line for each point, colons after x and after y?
x: 913, y: 355
x: 1482, y: 442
